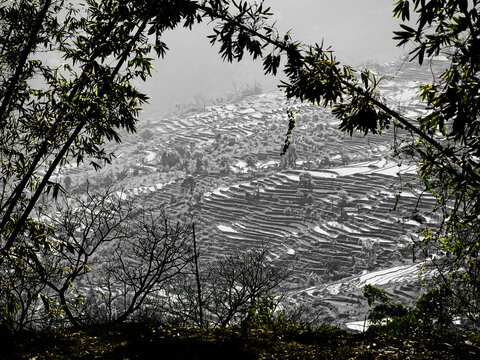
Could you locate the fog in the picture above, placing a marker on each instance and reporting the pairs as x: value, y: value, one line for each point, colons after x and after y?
x: 358, y: 31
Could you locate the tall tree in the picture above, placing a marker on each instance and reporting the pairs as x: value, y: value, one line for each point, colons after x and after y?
x: 53, y: 114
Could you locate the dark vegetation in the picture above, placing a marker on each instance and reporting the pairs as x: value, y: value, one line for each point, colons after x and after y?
x: 149, y: 340
x: 96, y: 275
x: 265, y: 333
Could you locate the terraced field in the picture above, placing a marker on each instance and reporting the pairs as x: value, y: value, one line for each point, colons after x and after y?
x: 339, y: 209
x: 314, y: 232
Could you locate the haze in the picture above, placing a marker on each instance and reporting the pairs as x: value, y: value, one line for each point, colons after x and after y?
x: 358, y: 31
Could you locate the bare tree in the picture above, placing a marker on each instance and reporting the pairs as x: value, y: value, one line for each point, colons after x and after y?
x: 107, y: 262
x: 134, y: 274
x: 230, y: 287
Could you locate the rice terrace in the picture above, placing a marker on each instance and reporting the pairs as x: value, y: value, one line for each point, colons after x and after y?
x: 326, y: 208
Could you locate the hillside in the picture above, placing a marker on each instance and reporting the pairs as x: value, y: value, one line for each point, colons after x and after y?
x: 342, y: 211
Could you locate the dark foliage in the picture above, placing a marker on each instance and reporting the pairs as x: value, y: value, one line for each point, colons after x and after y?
x: 149, y: 340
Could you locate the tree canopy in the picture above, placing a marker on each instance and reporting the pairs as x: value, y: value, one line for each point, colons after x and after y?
x: 53, y: 114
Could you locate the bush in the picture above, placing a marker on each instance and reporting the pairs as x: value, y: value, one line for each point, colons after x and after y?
x: 381, y: 307
x: 266, y: 315
x: 434, y: 309
x: 431, y: 316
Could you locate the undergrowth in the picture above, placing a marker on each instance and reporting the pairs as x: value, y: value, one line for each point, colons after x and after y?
x: 148, y: 340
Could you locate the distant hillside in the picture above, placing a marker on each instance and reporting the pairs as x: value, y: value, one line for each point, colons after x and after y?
x: 343, y: 210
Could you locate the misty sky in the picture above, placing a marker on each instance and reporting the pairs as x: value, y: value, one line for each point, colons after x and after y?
x: 357, y: 30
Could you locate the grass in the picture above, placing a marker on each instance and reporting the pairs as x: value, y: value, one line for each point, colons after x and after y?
x: 153, y: 341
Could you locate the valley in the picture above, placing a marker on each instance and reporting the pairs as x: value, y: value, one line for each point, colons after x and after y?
x: 340, y: 211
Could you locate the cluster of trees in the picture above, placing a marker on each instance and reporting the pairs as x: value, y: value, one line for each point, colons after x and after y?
x: 53, y: 114
x: 112, y: 261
